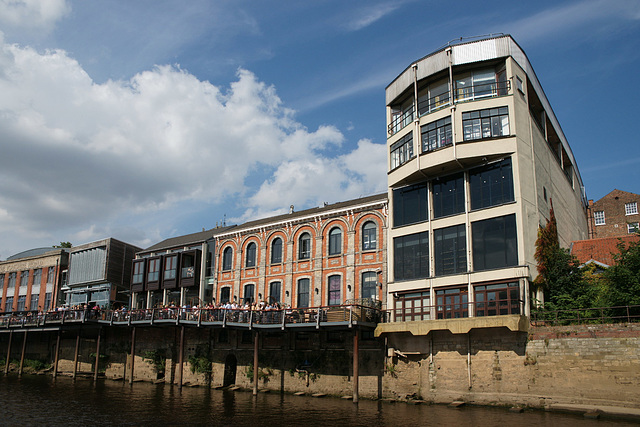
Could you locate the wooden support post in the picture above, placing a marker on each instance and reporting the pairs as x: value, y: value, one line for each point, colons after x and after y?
x: 75, y: 357
x: 55, y: 360
x: 181, y: 357
x: 133, y: 354
x: 255, y: 363
x: 95, y: 370
x: 6, y: 365
x: 24, y: 347
x: 356, y: 373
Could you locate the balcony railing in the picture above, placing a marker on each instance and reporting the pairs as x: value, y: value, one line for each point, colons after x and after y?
x: 599, y: 315
x: 457, y: 310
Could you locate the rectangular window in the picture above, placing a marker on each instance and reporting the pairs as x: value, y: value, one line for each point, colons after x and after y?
x: 24, y: 278
x: 335, y: 289
x: 450, y: 250
x: 411, y: 256
x: 401, y: 116
x: 138, y: 272
x: 599, y: 217
x: 448, y: 195
x: 499, y: 299
x: 249, y: 292
x: 22, y: 301
x: 414, y: 306
x: 632, y: 227
x: 494, y: 243
x: 369, y: 285
x: 491, y: 185
x: 436, y: 134
x: 631, y: 208
x: 37, y: 276
x: 12, y: 281
x: 47, y: 301
x: 410, y: 204
x: 452, y: 303
x: 436, y: 96
x: 303, y: 293
x: 489, y: 123
x: 51, y: 276
x: 1, y: 283
x: 188, y: 267
x: 33, y: 305
x: 154, y: 270
x: 170, y: 267
x: 8, y: 307
x: 402, y: 151
x: 275, y: 289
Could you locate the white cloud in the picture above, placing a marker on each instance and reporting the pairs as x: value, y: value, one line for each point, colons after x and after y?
x: 366, y: 16
x: 85, y: 159
x: 33, y: 14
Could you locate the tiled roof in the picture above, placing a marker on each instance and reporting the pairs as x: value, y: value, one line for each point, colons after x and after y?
x: 600, y: 250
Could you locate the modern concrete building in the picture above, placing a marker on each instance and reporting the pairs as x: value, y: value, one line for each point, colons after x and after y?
x: 476, y: 159
x: 31, y: 280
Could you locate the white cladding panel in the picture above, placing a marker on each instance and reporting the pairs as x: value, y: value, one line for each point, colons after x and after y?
x: 87, y: 266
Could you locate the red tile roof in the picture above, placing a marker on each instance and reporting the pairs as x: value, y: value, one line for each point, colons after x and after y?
x: 600, y: 249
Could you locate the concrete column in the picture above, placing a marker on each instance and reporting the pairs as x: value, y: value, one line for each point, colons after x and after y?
x: 255, y: 363
x: 356, y: 365
x: 75, y: 357
x: 181, y: 357
x: 24, y: 347
x: 133, y: 354
x: 57, y: 356
x: 6, y: 365
x: 95, y: 370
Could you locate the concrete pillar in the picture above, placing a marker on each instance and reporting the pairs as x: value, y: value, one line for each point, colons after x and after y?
x: 75, y: 357
x: 24, y: 347
x: 181, y: 357
x: 95, y: 370
x: 356, y: 365
x: 133, y: 354
x: 255, y: 363
x: 6, y: 365
x: 57, y: 355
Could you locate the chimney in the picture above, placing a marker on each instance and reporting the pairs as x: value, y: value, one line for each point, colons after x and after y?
x: 291, y: 209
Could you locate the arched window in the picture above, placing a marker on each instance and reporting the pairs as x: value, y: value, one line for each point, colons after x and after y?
x: 335, y: 241
x: 249, y: 292
x: 369, y: 285
x: 369, y: 236
x: 276, y: 251
x: 304, y: 246
x: 335, y: 288
x: 303, y: 292
x: 251, y: 255
x: 275, y: 291
x: 227, y: 258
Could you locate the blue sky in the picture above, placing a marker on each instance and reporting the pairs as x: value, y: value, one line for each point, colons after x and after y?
x: 143, y: 120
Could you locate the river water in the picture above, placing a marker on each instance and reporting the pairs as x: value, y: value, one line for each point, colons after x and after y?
x: 41, y: 400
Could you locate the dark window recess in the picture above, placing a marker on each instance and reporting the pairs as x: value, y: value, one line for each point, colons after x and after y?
x: 489, y: 123
x: 498, y: 299
x: 304, y: 248
x: 335, y: 288
x: 335, y: 241
x: 225, y: 294
x: 275, y: 289
x: 227, y: 258
x: 491, y: 185
x: 494, y: 243
x: 436, y: 134
x: 369, y: 285
x: 410, y: 204
x: 369, y: 236
x: 450, y: 250
x: 276, y: 251
x: 411, y: 256
x: 452, y: 303
x: 303, y: 293
x: 249, y: 292
x: 251, y: 255
x: 448, y: 195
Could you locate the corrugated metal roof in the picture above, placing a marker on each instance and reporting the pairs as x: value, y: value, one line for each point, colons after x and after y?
x: 35, y: 252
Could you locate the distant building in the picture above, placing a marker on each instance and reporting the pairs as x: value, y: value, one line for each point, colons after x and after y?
x: 616, y: 214
x: 31, y: 280
x: 100, y: 273
x: 476, y: 157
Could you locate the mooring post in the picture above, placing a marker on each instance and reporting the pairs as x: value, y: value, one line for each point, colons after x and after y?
x: 55, y: 360
x: 133, y: 354
x: 6, y: 365
x: 356, y: 366
x: 24, y: 347
x: 75, y: 357
x: 255, y: 363
x: 180, y: 357
x: 95, y: 370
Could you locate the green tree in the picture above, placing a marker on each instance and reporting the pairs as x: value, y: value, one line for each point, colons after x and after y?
x: 63, y: 245
x: 622, y: 280
x: 547, y: 247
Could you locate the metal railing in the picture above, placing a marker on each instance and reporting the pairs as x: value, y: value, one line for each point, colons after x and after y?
x: 458, y: 310
x: 598, y: 315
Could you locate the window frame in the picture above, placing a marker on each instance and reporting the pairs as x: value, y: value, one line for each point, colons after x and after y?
x: 275, y: 292
x: 250, y: 255
x: 227, y: 259
x: 252, y: 293
x: 401, y: 151
x: 276, y: 251
x: 633, y: 227
x: 369, y: 285
x: 408, y: 200
x: 406, y: 309
x: 457, y: 256
x: 452, y: 203
x: 476, y: 124
x: 304, y: 246
x: 304, y: 286
x: 631, y: 208
x: 418, y: 260
x: 599, y: 218
x: 369, y: 236
x: 435, y: 135
x: 334, y: 290
x: 482, y: 258
x: 483, y: 195
x: 487, y: 299
x: 335, y: 241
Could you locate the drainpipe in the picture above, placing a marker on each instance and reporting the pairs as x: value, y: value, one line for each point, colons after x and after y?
x: 416, y: 118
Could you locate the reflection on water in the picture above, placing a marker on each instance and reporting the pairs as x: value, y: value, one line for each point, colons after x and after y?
x: 38, y: 400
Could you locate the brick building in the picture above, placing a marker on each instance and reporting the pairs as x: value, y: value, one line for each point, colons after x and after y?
x: 616, y: 214
x: 601, y: 249
x: 31, y: 280
x: 316, y: 257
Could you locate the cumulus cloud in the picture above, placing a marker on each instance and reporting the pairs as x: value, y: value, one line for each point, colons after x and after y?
x: 77, y: 154
x: 32, y: 14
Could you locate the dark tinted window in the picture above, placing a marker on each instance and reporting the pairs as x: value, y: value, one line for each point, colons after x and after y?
x: 491, y: 185
x: 411, y: 256
x: 410, y: 204
x: 448, y: 195
x: 494, y: 243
